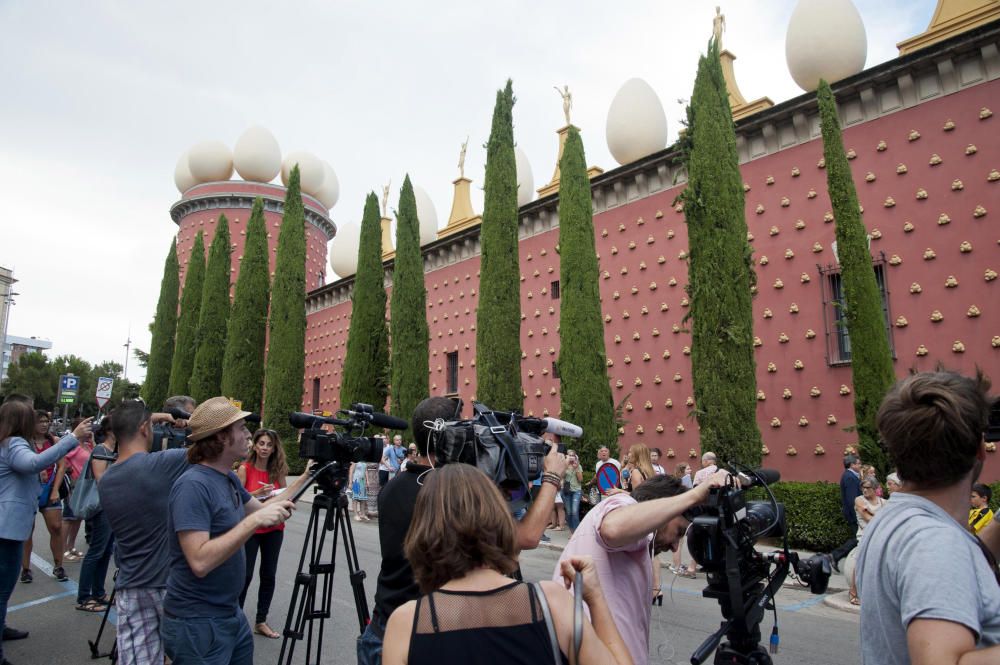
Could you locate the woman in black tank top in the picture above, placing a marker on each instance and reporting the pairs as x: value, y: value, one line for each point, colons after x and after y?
x: 461, y: 547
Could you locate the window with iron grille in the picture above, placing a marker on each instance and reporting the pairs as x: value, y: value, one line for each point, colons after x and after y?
x: 554, y: 289
x: 453, y: 373
x: 315, y: 394
x: 838, y: 341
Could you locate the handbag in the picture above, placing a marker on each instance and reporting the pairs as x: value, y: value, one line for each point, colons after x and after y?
x: 43, y: 496
x: 85, y: 502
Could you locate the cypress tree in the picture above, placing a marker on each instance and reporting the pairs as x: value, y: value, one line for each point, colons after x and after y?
x: 498, y: 318
x: 243, y: 364
x: 285, y: 366
x: 187, y: 325
x: 720, y: 274
x: 366, y: 365
x: 586, y: 394
x: 206, y: 376
x: 408, y: 318
x: 164, y: 328
x: 871, y: 357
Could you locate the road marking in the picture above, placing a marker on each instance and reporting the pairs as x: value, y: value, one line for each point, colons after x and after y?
x: 71, y: 586
x: 40, y: 601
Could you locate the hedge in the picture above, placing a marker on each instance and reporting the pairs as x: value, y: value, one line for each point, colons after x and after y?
x: 812, y: 513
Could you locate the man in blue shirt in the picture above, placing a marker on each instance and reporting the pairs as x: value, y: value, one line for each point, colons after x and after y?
x: 211, y: 516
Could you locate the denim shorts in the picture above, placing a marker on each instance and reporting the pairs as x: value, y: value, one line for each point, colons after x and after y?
x: 207, y: 640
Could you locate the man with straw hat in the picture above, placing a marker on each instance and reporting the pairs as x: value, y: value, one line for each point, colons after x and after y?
x: 211, y: 516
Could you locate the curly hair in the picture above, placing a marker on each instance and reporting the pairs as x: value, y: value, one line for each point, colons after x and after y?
x: 460, y: 523
x: 277, y: 466
x: 207, y: 449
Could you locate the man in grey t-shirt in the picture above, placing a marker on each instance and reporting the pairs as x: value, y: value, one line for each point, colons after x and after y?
x: 134, y: 493
x: 932, y: 425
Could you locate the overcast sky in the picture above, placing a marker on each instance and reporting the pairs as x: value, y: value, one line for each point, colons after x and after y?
x: 101, y: 98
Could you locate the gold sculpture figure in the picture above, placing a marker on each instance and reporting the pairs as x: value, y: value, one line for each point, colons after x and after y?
x: 718, y: 26
x: 385, y: 199
x: 461, y: 158
x: 567, y: 98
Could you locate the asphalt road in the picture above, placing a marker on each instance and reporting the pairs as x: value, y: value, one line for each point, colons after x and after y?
x: 811, y: 633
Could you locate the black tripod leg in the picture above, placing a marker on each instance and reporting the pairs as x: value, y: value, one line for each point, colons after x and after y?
x: 95, y: 645
x: 304, y: 589
x: 356, y: 575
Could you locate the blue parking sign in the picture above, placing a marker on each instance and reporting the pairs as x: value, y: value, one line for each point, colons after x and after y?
x: 69, y: 382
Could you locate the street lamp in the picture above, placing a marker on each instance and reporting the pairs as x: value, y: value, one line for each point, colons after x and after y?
x: 8, y: 301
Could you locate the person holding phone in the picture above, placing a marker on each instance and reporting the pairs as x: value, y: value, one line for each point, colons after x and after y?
x: 572, y: 489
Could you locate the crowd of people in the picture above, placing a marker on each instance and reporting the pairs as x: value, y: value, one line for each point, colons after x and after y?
x: 187, y: 525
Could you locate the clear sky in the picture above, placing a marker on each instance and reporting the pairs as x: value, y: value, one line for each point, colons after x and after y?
x: 99, y: 99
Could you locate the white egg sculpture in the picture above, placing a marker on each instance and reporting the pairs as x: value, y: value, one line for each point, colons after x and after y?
x: 344, y: 250
x: 825, y: 40
x: 525, y: 178
x: 257, y: 155
x: 426, y: 215
x: 329, y: 191
x: 210, y: 161
x: 637, y: 125
x: 310, y: 171
x: 182, y: 175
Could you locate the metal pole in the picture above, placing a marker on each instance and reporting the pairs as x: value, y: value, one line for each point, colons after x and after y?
x: 127, y: 345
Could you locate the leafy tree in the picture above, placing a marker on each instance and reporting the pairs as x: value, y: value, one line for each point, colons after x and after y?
x: 285, y: 365
x: 585, y: 394
x: 498, y: 318
x: 243, y: 364
x: 366, y: 365
x: 720, y: 273
x: 35, y: 376
x: 142, y: 357
x: 206, y: 376
x: 187, y: 325
x: 871, y: 357
x: 154, y: 390
x: 408, y: 319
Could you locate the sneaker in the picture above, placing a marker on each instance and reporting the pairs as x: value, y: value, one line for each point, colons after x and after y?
x: 60, y: 574
x: 26, y: 577
x: 544, y: 538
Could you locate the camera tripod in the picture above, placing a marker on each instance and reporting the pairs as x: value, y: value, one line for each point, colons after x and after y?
x: 95, y: 644
x: 312, y: 595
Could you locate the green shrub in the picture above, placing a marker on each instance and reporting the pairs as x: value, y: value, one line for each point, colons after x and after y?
x: 812, y: 512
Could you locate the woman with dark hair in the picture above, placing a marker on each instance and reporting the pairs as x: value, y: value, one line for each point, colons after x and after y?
x: 262, y: 473
x: 461, y: 546
x: 39, y: 441
x: 19, y: 469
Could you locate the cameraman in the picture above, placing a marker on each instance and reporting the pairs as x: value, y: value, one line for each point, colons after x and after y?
x: 621, y: 533
x: 932, y: 425
x: 133, y: 495
x: 395, y: 504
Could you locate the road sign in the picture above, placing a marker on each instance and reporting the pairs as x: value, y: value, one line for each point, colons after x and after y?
x: 68, y: 387
x: 104, y: 385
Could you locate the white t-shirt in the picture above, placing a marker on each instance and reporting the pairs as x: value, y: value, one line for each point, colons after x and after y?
x: 916, y: 562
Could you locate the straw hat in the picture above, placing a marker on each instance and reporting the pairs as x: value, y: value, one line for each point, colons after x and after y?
x: 214, y: 415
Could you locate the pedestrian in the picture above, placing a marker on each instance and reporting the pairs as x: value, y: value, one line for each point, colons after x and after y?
x: 49, y: 500
x: 609, y: 480
x: 654, y: 455
x: 20, y: 465
x: 623, y: 533
x: 210, y: 517
x: 572, y: 489
x: 75, y: 461
x: 850, y: 490
x: 90, y: 595
x: 642, y: 467
x: 865, y: 507
x: 677, y: 566
x: 932, y: 426
x: 709, y: 465
x: 893, y: 483
x: 262, y: 474
x: 980, y: 513
x: 359, y: 492
x: 133, y: 493
x: 461, y: 545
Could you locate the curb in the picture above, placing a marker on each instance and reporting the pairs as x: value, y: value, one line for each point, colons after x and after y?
x: 841, y: 601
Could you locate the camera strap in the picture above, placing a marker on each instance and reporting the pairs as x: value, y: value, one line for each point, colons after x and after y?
x: 502, y: 435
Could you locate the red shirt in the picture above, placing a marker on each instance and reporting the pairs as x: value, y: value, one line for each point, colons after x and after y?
x: 255, y: 480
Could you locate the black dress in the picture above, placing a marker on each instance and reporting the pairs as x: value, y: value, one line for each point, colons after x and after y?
x: 503, y: 625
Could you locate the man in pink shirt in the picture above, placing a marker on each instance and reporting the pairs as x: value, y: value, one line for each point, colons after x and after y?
x: 708, y: 467
x: 620, y: 532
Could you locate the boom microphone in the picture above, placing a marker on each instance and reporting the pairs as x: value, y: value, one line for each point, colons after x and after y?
x: 551, y: 426
x: 379, y: 419
x: 300, y: 420
x: 768, y: 476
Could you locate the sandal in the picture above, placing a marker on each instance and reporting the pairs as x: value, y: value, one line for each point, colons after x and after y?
x: 854, y: 599
x: 93, y: 606
x: 266, y: 631
x: 69, y: 557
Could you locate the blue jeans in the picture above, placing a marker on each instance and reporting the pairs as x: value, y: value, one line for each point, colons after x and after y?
x: 572, y: 502
x: 370, y: 644
x: 94, y: 569
x: 208, y: 641
x: 10, y: 565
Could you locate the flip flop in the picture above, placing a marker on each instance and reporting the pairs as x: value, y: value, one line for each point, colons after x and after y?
x: 266, y: 631
x: 92, y: 606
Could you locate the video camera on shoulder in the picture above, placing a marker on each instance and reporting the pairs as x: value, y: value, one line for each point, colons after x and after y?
x: 506, y: 446
x: 168, y: 437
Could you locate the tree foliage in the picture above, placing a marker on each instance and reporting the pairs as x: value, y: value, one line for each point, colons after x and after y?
x: 408, y: 318
x: 285, y: 365
x: 185, y: 344
x: 206, y: 376
x: 720, y: 273
x: 243, y: 363
x: 161, y: 351
x: 366, y: 364
x: 871, y: 357
x: 498, y: 318
x: 585, y: 392
x: 37, y: 376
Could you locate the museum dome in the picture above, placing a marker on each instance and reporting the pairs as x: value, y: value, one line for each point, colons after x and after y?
x: 825, y: 40
x: 210, y: 161
x: 257, y: 155
x: 637, y: 125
